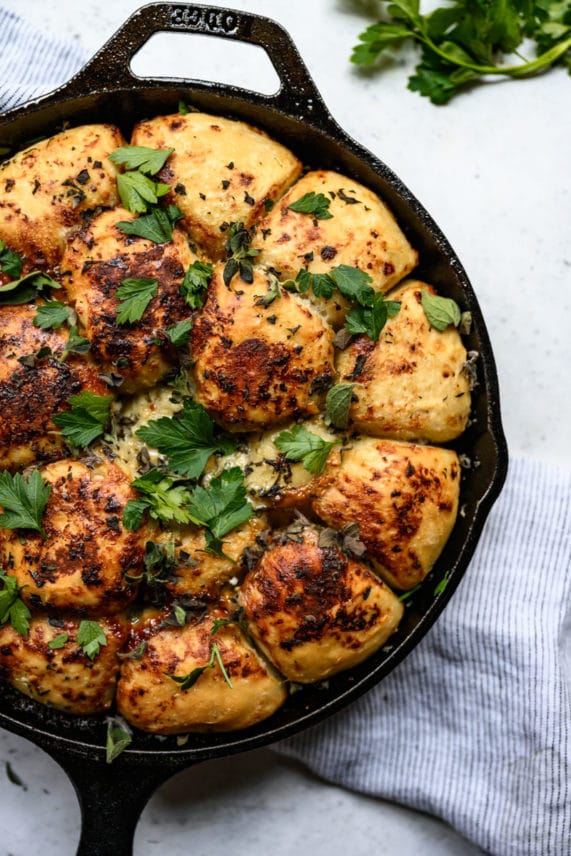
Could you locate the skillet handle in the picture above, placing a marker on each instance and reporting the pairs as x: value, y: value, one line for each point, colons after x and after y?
x: 110, y: 67
x: 111, y: 798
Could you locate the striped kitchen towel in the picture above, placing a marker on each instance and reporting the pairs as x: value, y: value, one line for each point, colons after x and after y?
x: 475, y: 725
x: 31, y: 63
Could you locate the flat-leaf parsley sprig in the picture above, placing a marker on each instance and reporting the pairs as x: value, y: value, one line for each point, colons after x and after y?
x: 465, y: 41
x: 23, y: 501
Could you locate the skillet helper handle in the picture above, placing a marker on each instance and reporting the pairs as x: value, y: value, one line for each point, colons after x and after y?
x: 110, y: 67
x: 111, y: 798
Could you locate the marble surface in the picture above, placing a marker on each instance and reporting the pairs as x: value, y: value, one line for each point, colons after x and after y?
x: 492, y: 169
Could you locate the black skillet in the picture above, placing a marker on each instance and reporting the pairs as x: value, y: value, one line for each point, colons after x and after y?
x: 112, y: 797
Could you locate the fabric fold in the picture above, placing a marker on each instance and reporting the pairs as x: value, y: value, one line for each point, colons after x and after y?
x: 474, y: 726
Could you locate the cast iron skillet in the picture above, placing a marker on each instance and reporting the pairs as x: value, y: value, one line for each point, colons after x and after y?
x: 112, y: 797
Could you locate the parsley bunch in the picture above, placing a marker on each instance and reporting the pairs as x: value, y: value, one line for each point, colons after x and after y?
x: 465, y: 41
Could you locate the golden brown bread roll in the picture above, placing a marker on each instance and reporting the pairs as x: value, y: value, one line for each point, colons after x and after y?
x: 315, y: 611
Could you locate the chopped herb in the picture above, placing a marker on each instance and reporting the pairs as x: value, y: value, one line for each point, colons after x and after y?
x: 441, y: 312
x: 155, y: 226
x: 338, y: 404
x: 162, y: 498
x: 179, y: 614
x: 138, y: 192
x: 442, y: 584
x: 195, y: 282
x: 26, y: 288
x: 188, y: 681
x: 14, y: 778
x: 183, y: 108
x: 221, y: 507
x: 146, y: 160
x: 10, y: 261
x: 299, y: 444
x: 75, y: 344
x: 12, y: 608
x: 91, y: 637
x: 136, y: 654
x: 407, y: 594
x: 187, y: 439
x: 240, y: 254
x: 316, y: 204
x: 135, y: 295
x: 52, y: 315
x: 351, y: 282
x: 23, y: 500
x: 371, y: 320
x: 271, y: 294
x: 87, y: 418
x: 118, y: 738
x: 348, y: 200
x: 179, y: 333
x: 58, y: 641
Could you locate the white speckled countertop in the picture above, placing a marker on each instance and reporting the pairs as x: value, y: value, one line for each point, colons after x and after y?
x: 492, y: 169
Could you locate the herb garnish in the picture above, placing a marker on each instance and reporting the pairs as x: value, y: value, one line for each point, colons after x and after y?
x: 87, y: 418
x: 156, y: 226
x: 138, y: 192
x: 52, y: 315
x: 371, y: 320
x: 240, y: 254
x: 91, y: 637
x: 441, y: 312
x: 274, y: 291
x: 118, y: 738
x: 23, y: 501
x: 135, y: 295
x: 10, y: 261
x: 26, y: 288
x: 162, y: 498
x: 316, y: 204
x: 338, y: 404
x: 187, y: 439
x: 146, y: 160
x: 188, y: 681
x: 463, y: 42
x: 221, y: 507
x: 179, y: 333
x: 299, y: 444
x: 195, y: 282
x: 12, y: 608
x: 58, y: 641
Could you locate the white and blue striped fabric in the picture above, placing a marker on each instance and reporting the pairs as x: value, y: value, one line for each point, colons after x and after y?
x: 475, y: 725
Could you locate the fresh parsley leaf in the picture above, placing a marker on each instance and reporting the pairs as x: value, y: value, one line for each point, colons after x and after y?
x: 10, y: 261
x: 441, y: 312
x: 240, y: 254
x: 299, y: 444
x: 316, y: 204
x: 187, y: 439
x: 135, y: 295
x: 188, y: 681
x: 26, y: 288
x: 221, y: 507
x: 12, y: 608
x: 52, y: 315
x: 179, y: 333
x: 338, y: 404
x: 91, y: 637
x: 353, y: 284
x: 118, y: 738
x: 274, y: 291
x: 138, y: 192
x: 23, y: 501
x: 162, y: 498
x: 370, y: 321
x: 75, y: 344
x: 87, y: 418
x: 146, y: 160
x: 155, y: 226
x: 195, y: 283
x: 58, y: 641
